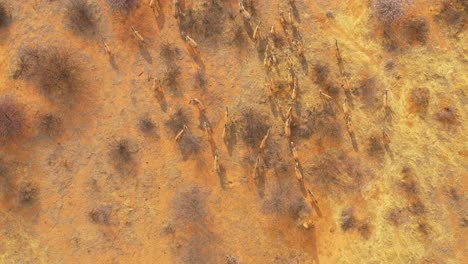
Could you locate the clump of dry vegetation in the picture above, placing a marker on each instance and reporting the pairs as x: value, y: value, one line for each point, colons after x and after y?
x: 206, y: 20
x: 189, y: 205
x: 4, y: 16
x: 12, y: 118
x: 101, y: 214
x: 347, y: 219
x: 54, y: 71
x: 117, y: 5
x: 370, y: 93
x: 147, y: 126
x: 447, y: 115
x: 27, y: 194
x: 169, y: 52
x: 171, y: 79
x: 389, y: 11
x: 190, y: 145
x: 200, y: 79
x: 416, y: 31
x: 453, y: 13
x: 122, y: 156
x: 177, y: 120
x: 50, y: 125
x: 334, y: 173
x: 321, y: 73
x: 375, y: 147
x: 254, y: 127
x: 82, y: 18
x: 285, y: 199
x: 419, y: 99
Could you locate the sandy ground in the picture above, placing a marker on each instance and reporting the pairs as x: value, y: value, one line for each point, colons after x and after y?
x: 399, y: 202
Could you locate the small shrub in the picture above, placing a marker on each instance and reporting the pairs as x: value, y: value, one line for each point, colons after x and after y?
x: 415, y: 31
x: 54, y: 71
x: 419, y: 99
x: 169, y: 52
x: 447, y: 115
x: 122, y: 153
x: 189, y: 205
x: 255, y: 127
x: 50, y: 125
x: 348, y: 220
x: 117, y: 5
x: 388, y: 11
x: 396, y: 216
x: 147, y: 126
x: 200, y: 79
x: 4, y: 16
x: 177, y: 120
x: 82, y: 18
x: 101, y: 214
x: 375, y: 147
x: 321, y: 73
x: 365, y: 230
x: 27, y: 194
x: 12, y: 118
x: 370, y: 93
x: 190, y: 145
x: 171, y: 78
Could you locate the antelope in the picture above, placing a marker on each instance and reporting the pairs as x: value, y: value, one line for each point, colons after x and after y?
x: 294, y: 151
x: 255, y: 33
x: 287, y: 128
x: 325, y: 96
x: 313, y: 200
x: 199, y: 104
x: 256, y: 167
x: 157, y: 88
x: 386, y: 137
x: 138, y: 35
x: 348, y: 125
x: 243, y: 11
x: 385, y: 98
x: 106, y: 48
x: 181, y: 133
x: 217, y: 166
x: 298, y: 171
x: 176, y: 6
x: 192, y: 43
x: 264, y: 140
x: 345, y: 107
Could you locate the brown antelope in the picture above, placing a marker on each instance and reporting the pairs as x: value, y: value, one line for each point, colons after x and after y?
x: 255, y: 32
x: 349, y: 126
x: 298, y: 171
x: 217, y: 166
x: 256, y: 167
x: 157, y: 88
x: 325, y: 96
x: 289, y: 112
x: 312, y: 199
x: 385, y: 99
x: 345, y: 107
x: 386, y: 138
x: 287, y: 128
x: 138, y: 35
x: 181, y: 133
x: 294, y: 151
x: 106, y: 48
x: 199, y: 104
x: 264, y: 140
x: 176, y: 6
x: 243, y: 11
x: 192, y: 43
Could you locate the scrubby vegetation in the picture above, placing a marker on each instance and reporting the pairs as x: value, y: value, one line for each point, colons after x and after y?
x: 177, y: 120
x: 50, y: 125
x: 416, y: 31
x: 4, y: 16
x: 54, y: 72
x: 118, y: 5
x: 254, y: 127
x: 27, y: 194
x: 82, y: 18
x: 388, y: 11
x: 101, y: 214
x: 12, y: 118
x: 447, y: 115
